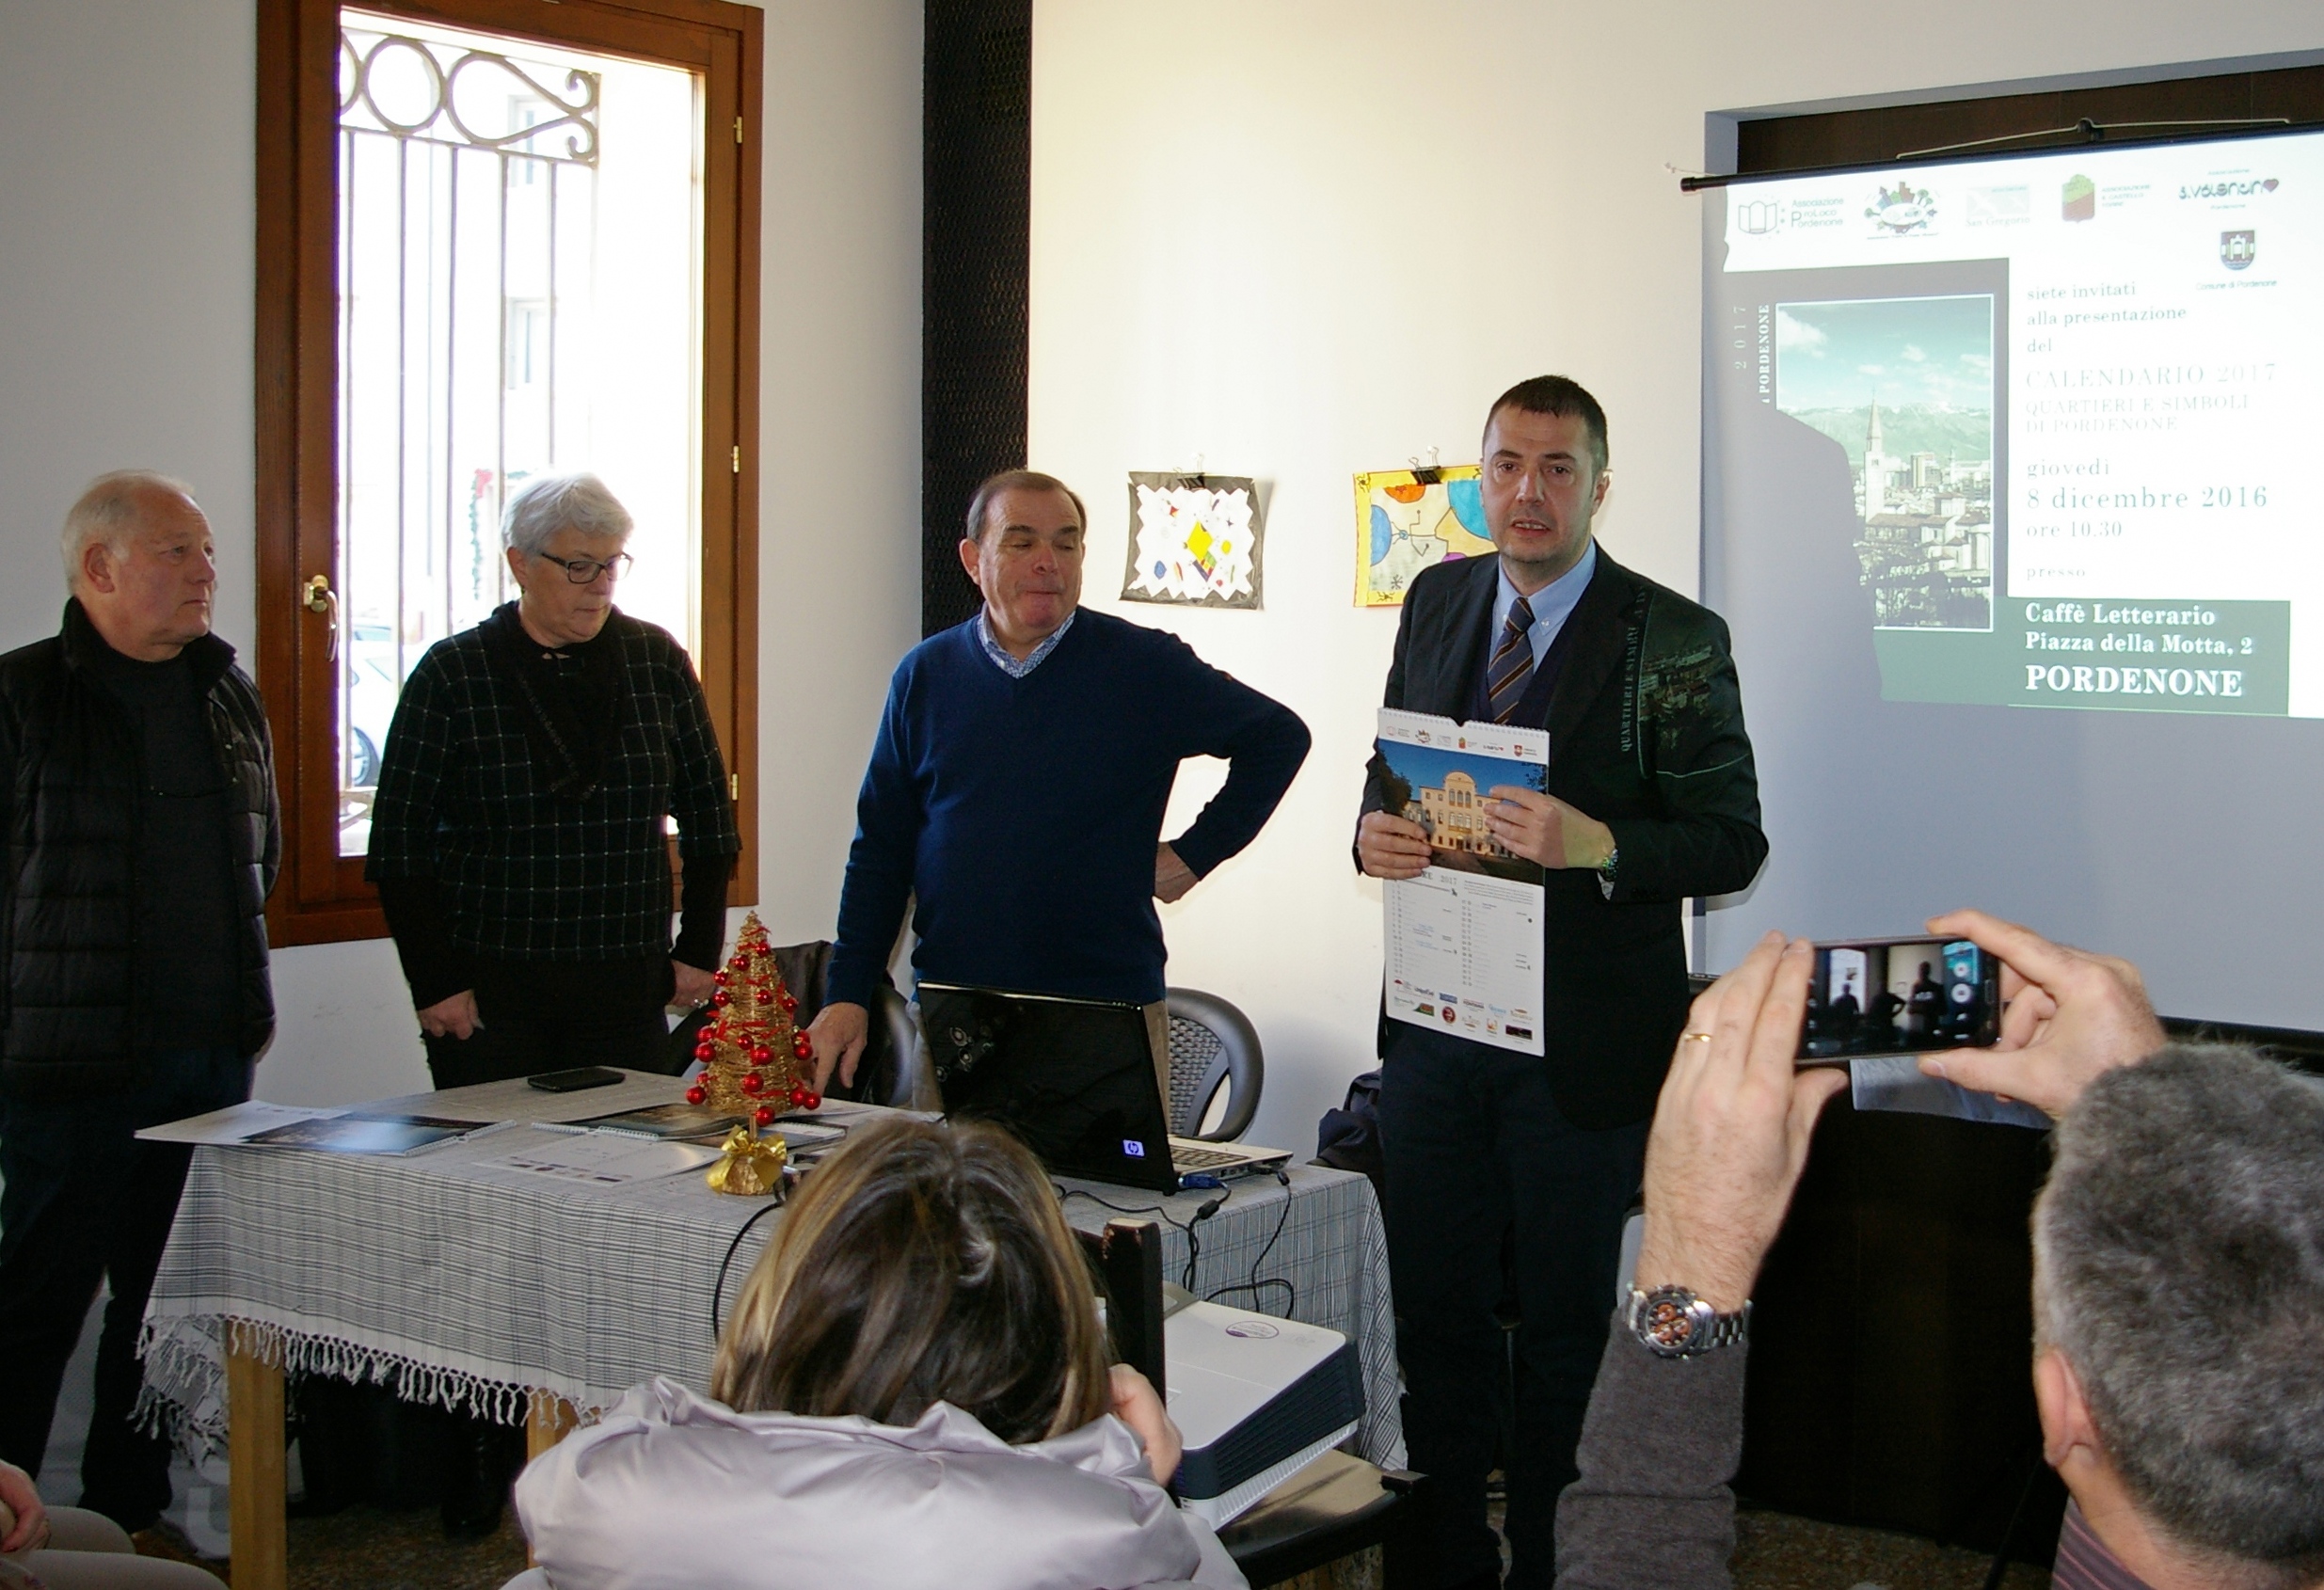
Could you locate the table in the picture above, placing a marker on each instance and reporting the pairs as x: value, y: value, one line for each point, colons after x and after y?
x: 508, y: 1295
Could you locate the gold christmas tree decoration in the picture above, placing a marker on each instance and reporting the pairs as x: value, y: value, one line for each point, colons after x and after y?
x: 756, y: 1062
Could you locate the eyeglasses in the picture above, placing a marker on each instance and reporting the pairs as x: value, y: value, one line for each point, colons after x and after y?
x: 585, y: 571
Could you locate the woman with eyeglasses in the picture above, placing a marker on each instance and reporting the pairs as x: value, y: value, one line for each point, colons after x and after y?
x: 518, y: 835
x: 913, y: 1393
x: 519, y: 832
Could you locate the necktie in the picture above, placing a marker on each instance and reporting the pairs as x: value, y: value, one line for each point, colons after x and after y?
x: 1512, y: 665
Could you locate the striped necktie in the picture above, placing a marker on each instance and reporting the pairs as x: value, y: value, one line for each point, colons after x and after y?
x: 1512, y: 665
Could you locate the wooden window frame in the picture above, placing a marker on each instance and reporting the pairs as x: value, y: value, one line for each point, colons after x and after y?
x: 322, y: 897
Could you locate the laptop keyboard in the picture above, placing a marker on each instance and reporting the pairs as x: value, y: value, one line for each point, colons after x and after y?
x: 1204, y: 1159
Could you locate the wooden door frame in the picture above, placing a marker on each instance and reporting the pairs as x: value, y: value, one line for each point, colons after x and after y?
x: 322, y: 897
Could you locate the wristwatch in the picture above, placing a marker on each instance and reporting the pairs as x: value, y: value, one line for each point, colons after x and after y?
x: 1671, y: 1321
x: 1605, y: 871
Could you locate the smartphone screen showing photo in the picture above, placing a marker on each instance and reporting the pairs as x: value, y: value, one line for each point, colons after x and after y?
x: 1899, y: 996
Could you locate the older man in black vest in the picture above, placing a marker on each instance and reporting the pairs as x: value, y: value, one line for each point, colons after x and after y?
x: 1652, y: 797
x: 138, y: 793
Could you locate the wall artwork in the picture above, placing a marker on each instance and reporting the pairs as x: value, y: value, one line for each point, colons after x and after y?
x: 1195, y: 541
x: 1406, y: 520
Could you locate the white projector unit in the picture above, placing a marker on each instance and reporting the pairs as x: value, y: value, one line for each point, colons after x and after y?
x: 1256, y: 1400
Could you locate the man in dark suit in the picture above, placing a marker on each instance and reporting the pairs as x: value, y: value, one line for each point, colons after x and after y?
x: 1507, y: 1173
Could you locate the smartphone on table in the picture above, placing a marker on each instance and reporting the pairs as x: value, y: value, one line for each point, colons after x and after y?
x: 1899, y: 996
x: 574, y: 1081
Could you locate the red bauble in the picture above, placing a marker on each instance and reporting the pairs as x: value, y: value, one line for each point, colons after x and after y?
x: 811, y: 1100
x: 695, y: 1095
x: 763, y: 1115
x: 790, y: 1002
x: 753, y: 1082
x: 706, y: 1050
x: 799, y: 1046
x: 722, y: 998
x: 719, y: 978
x: 760, y: 1054
x: 799, y: 1094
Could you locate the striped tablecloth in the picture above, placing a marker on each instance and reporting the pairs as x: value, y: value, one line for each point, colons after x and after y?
x: 472, y: 1287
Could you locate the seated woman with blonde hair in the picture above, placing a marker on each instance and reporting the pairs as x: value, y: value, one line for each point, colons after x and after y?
x: 912, y: 1392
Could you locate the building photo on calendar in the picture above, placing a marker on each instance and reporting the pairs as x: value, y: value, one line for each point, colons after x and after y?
x: 1442, y: 775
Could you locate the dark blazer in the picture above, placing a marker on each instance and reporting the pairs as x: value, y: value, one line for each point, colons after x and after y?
x: 1647, y: 736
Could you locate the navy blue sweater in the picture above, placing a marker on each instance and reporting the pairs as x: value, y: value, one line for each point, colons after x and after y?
x: 1024, y: 813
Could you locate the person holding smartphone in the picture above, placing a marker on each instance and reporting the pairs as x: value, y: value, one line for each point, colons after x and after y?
x: 2179, y: 1266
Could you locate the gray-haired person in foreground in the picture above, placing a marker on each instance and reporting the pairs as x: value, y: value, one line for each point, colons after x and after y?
x: 2178, y: 1283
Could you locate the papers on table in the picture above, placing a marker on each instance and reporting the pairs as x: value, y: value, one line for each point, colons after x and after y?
x: 598, y: 1158
x: 361, y: 1134
x: 639, y: 1112
x: 256, y: 1123
x: 235, y: 1123
x: 1464, y: 939
x: 515, y: 1100
x: 665, y: 1122
x: 807, y: 1135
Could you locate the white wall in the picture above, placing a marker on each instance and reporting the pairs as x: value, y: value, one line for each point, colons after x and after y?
x: 1302, y: 239
x: 126, y: 218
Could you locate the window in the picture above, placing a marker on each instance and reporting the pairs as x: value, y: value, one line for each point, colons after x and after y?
x: 496, y: 238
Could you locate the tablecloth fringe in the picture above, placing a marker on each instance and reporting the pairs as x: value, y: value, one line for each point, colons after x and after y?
x: 184, y: 1398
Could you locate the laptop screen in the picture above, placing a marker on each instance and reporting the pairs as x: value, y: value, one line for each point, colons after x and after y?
x: 1073, y: 1079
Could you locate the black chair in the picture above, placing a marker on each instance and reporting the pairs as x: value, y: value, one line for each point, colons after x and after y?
x: 1333, y: 1509
x: 1212, y: 1045
x: 889, y: 1072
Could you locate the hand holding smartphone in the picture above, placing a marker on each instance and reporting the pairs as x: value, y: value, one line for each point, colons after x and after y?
x: 1899, y: 996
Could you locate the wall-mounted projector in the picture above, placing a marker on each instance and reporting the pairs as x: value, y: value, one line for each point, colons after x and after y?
x: 1256, y: 1400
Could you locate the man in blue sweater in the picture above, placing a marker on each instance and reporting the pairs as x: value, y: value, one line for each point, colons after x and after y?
x: 1018, y: 782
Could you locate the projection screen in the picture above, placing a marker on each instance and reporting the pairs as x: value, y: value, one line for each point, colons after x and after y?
x: 2011, y: 497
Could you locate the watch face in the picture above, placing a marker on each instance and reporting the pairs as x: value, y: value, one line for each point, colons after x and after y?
x: 1668, y: 1322
x: 1670, y: 1318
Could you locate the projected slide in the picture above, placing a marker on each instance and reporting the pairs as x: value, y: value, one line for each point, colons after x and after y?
x: 2081, y: 403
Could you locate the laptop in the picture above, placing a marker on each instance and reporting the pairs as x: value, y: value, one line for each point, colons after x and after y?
x: 1075, y: 1080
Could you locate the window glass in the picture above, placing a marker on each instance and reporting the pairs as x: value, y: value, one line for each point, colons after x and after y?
x: 520, y: 262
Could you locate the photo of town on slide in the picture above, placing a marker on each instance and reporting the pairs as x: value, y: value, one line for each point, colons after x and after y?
x: 1445, y: 790
x: 1906, y: 386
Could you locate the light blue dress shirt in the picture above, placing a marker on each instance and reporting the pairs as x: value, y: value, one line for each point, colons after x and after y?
x: 1552, y: 605
x: 1017, y: 667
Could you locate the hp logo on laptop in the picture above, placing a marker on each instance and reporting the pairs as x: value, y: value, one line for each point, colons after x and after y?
x: 1133, y: 1148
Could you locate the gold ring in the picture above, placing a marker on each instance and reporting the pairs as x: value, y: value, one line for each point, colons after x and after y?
x: 1694, y: 1037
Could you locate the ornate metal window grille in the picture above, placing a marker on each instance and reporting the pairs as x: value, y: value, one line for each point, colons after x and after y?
x: 424, y: 100
x: 474, y: 351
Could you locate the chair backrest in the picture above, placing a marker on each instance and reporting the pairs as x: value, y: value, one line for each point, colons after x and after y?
x: 888, y: 1071
x: 902, y: 1062
x: 1212, y: 1043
